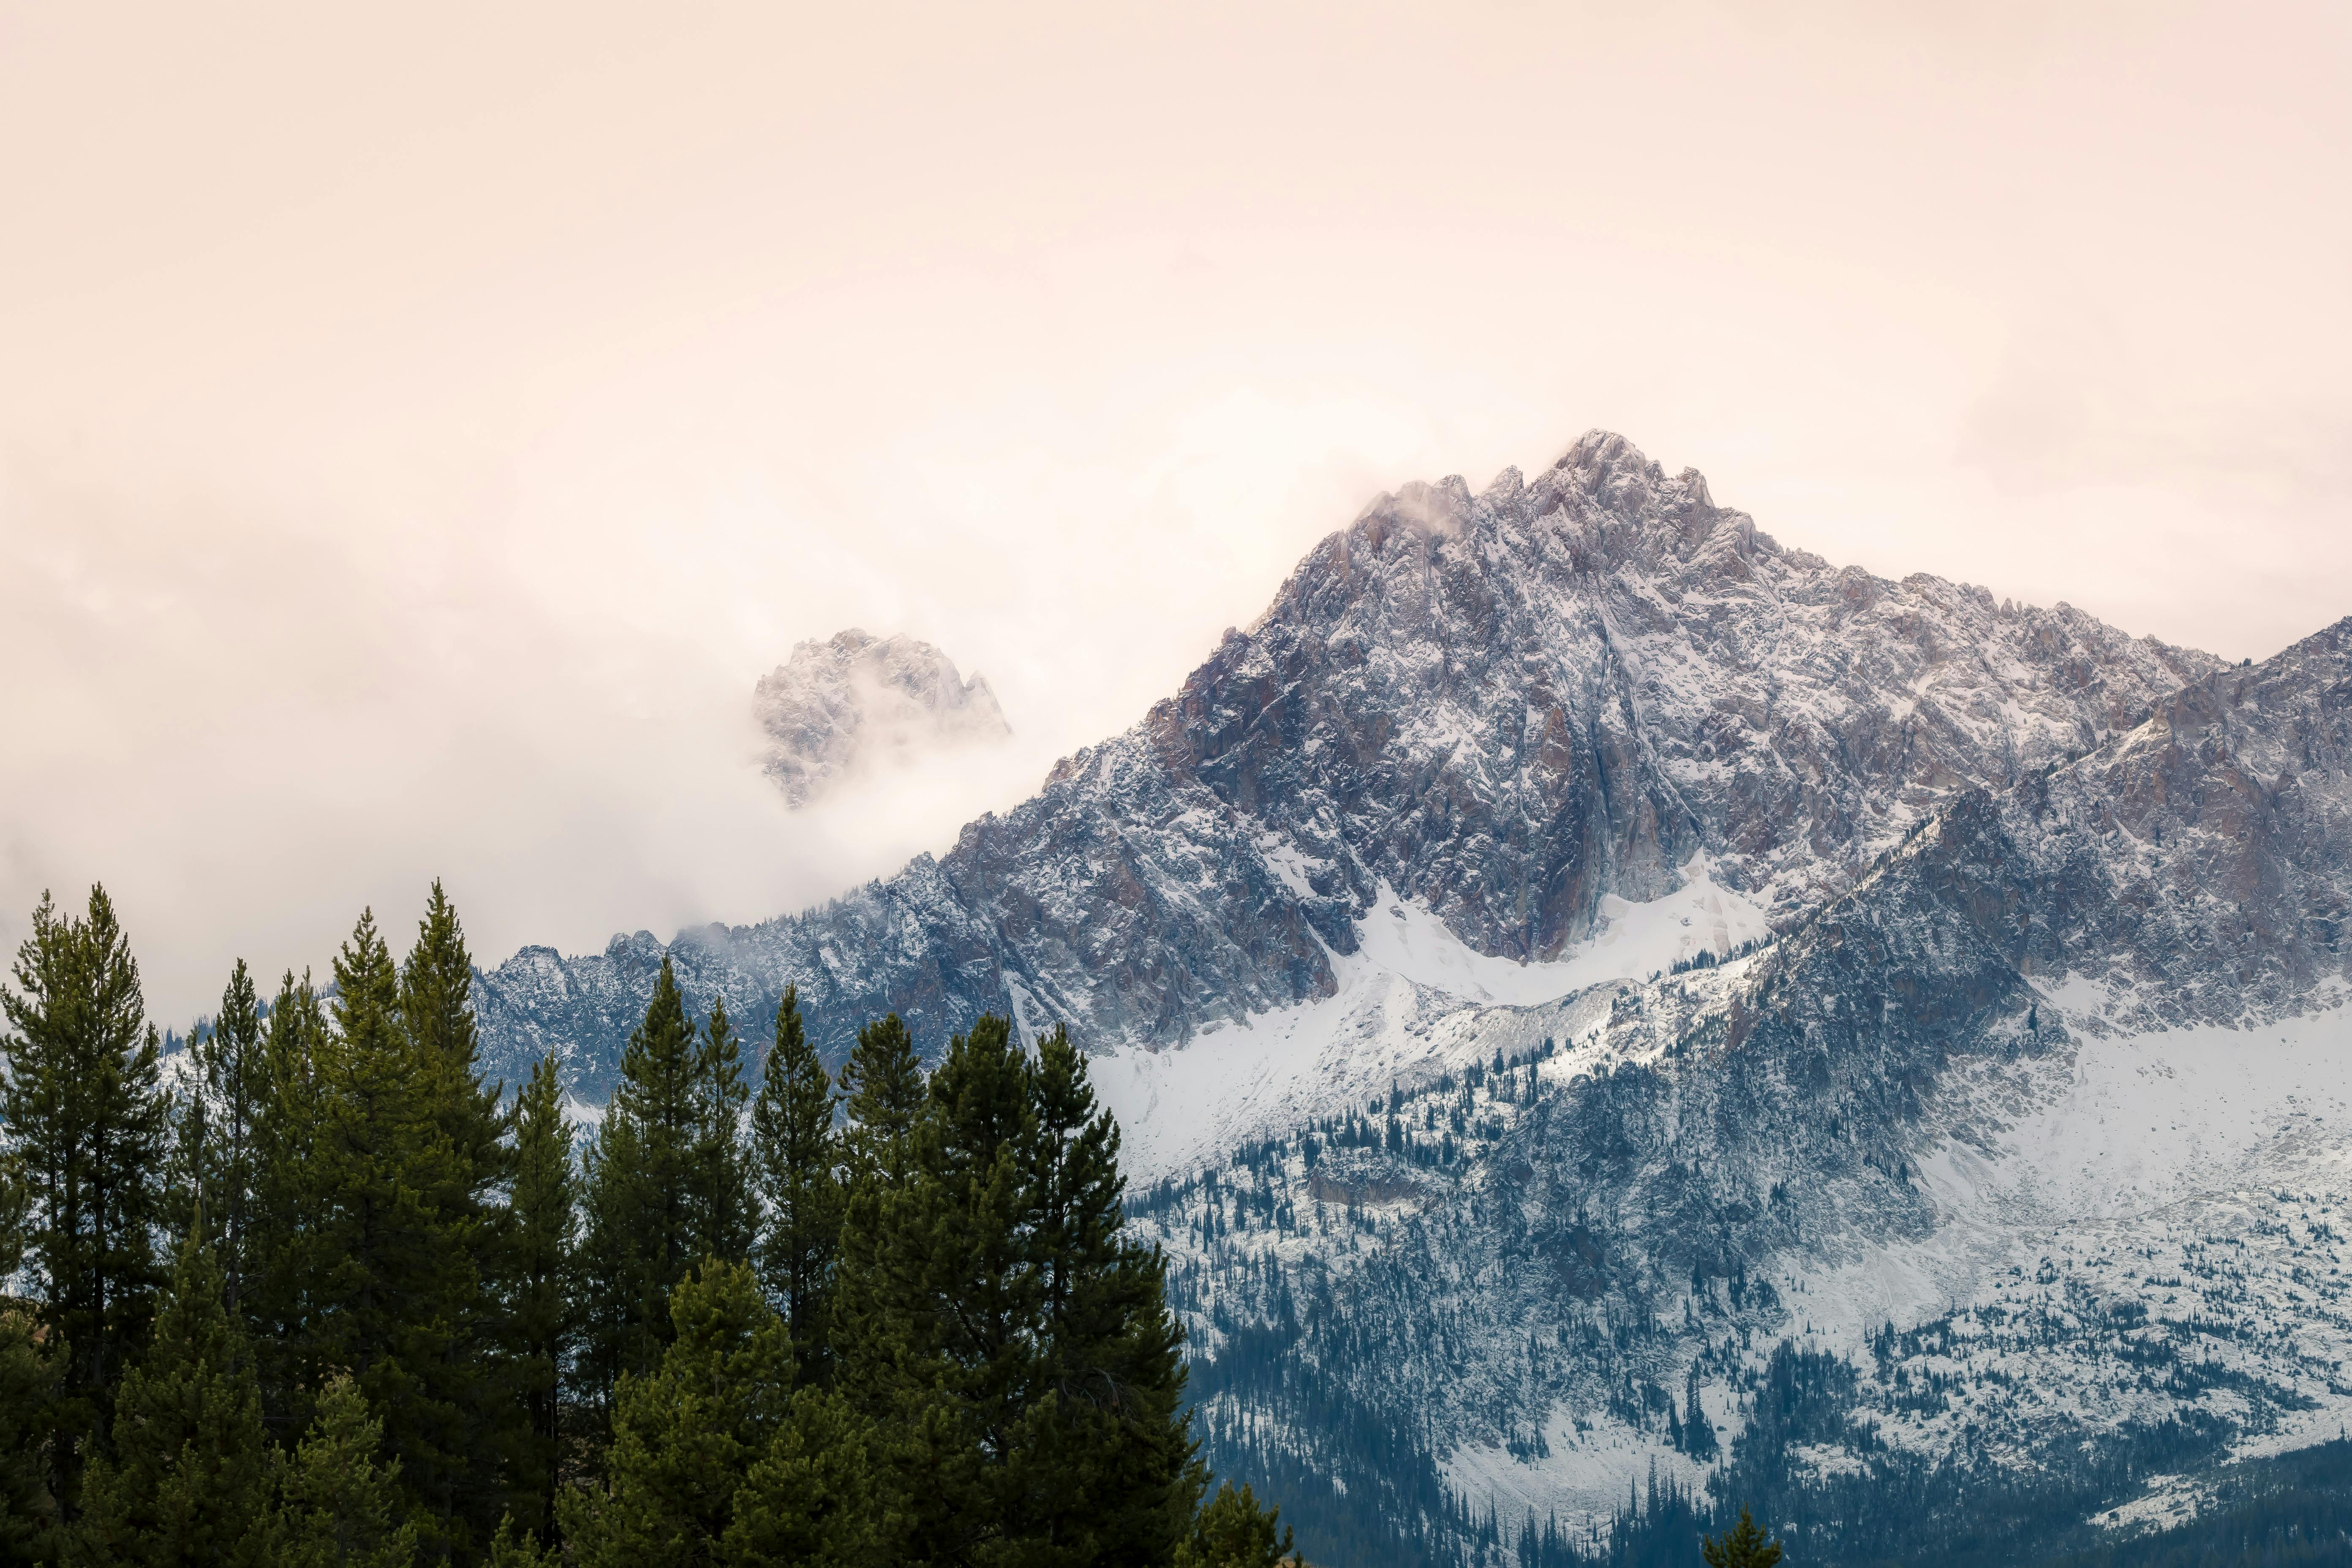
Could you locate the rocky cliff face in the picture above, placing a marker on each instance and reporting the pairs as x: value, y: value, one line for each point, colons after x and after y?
x: 855, y: 703
x: 1505, y: 709
x: 2035, y: 1140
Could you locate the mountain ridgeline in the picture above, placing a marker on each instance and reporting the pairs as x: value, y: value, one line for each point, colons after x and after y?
x: 1506, y: 706
x: 1666, y: 1024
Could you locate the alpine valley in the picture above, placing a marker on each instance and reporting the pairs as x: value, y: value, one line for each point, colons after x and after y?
x: 1608, y: 1013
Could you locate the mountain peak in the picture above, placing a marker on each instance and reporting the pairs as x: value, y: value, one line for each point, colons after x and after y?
x: 1605, y: 451
x: 853, y: 700
x: 1511, y: 713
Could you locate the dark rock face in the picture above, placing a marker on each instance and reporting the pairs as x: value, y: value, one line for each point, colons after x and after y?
x: 2196, y: 867
x: 1505, y: 706
x: 2201, y: 866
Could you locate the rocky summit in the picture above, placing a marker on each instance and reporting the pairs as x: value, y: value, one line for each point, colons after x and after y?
x: 1505, y: 710
x: 1596, y: 999
x: 839, y: 709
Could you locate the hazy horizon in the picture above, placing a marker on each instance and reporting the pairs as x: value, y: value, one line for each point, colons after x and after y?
x: 417, y: 433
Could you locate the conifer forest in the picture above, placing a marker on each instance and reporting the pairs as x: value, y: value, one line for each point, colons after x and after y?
x: 309, y: 1290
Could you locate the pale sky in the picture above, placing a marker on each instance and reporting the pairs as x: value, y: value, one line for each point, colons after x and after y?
x: 417, y: 434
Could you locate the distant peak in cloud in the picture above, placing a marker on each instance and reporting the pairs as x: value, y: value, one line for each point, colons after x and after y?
x: 855, y: 702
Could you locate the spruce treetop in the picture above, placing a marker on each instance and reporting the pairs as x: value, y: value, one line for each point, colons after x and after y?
x: 1742, y: 1546
x: 882, y: 1083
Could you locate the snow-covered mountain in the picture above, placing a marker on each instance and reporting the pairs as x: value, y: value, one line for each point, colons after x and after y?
x: 1512, y: 717
x: 2026, y: 1159
x: 1591, y: 994
x: 856, y: 703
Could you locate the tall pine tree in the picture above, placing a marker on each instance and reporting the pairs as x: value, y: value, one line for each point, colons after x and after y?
x: 541, y: 1283
x: 725, y: 1221
x: 465, y: 1167
x: 1111, y: 1430
x: 797, y: 1155
x: 289, y: 1229
x: 88, y: 1117
x: 227, y: 1092
x: 385, y: 1306
x: 28, y: 1379
x: 884, y: 1094
x: 401, y: 1302
x: 685, y: 1436
x: 189, y: 1480
x: 639, y: 1191
x: 997, y: 1319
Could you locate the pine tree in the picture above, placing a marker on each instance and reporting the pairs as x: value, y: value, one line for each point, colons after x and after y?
x: 882, y: 1086
x: 372, y: 1120
x: 724, y: 1222
x: 392, y: 1206
x: 397, y: 1278
x: 1233, y: 1531
x: 1743, y: 1547
x: 1111, y: 1430
x: 228, y: 1090
x: 638, y: 1197
x: 189, y: 1480
x: 815, y: 1497
x: 995, y: 1318
x: 28, y: 1384
x: 338, y: 1507
x: 464, y: 1167
x: 936, y: 1289
x: 1698, y: 1433
x: 89, y: 1121
x: 539, y: 1313
x: 512, y: 1547
x: 685, y: 1437
x: 797, y: 1153
x: 288, y: 1229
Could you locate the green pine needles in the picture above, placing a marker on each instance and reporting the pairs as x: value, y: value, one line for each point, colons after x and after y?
x: 411, y: 1318
x: 1742, y: 1546
x: 992, y: 1320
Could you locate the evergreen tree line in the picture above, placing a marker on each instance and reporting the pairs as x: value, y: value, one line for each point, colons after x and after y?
x: 316, y: 1293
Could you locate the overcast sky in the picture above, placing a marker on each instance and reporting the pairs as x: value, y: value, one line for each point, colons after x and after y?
x: 417, y: 433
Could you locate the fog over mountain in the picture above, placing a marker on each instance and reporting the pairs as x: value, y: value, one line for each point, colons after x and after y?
x: 412, y: 452
x: 1508, y: 710
x: 843, y: 710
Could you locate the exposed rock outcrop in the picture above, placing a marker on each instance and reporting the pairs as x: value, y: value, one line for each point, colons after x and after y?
x: 856, y: 703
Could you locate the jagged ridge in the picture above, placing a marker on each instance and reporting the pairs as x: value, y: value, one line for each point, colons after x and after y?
x: 1506, y: 706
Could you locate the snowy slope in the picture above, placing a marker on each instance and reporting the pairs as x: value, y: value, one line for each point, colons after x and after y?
x: 1412, y: 1001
